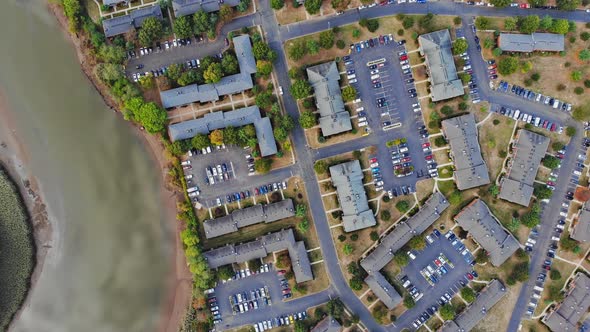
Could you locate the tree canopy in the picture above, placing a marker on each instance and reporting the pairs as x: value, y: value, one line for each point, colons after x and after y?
x: 500, y: 3
x: 307, y: 119
x: 348, y: 93
x: 151, y: 30
x: 201, y: 141
x: 297, y: 51
x: 229, y: 64
x: 183, y: 26
x: 213, y: 73
x: 313, y: 6
x: 277, y: 4
x: 263, y: 165
x: 460, y: 46
x: 447, y: 312
x: 149, y: 115
x: 529, y: 24
x: 300, y: 89
x: 507, y: 65
x: 468, y: 294
x: 327, y: 39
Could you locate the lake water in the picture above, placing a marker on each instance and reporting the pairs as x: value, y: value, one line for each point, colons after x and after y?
x: 109, y: 260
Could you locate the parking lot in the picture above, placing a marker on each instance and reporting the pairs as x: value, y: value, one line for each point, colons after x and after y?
x: 439, y: 271
x: 225, y: 175
x: 389, y: 105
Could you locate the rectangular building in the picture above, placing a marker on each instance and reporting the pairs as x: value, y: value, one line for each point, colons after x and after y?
x: 404, y: 231
x: 515, y: 42
x: 324, y: 78
x: 122, y: 24
x: 477, y: 219
x: 477, y: 310
x: 189, y: 7
x: 262, y: 247
x: 470, y: 169
x: 228, y: 85
x: 383, y: 290
x: 248, y: 216
x: 218, y: 120
x: 436, y: 47
x: 566, y: 315
x: 581, y: 230
x: 529, y: 150
x: 348, y: 180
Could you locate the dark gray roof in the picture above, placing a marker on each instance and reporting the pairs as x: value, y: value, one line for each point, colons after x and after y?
x: 122, y: 24
x: 514, y: 42
x: 189, y: 7
x: 436, y: 47
x: 228, y: 85
x: 334, y: 119
x: 348, y: 180
x: 113, y: 2
x: 581, y: 230
x: 477, y: 219
x: 517, y: 185
x: 218, y: 120
x: 470, y: 168
x: 248, y: 216
x: 404, y: 231
x: 383, y: 289
x: 469, y: 318
x: 328, y: 324
x: 262, y: 247
x: 565, y: 316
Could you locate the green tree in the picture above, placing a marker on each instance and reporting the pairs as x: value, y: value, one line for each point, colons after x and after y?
x: 356, y: 283
x: 497, y: 52
x: 494, y: 190
x: 229, y: 64
x: 585, y: 35
x: 537, y: 3
x: 72, y: 10
x: 348, y: 249
x: 584, y: 55
x: 385, y: 215
x: 264, y: 99
x: 202, y: 22
x: 300, y: 89
x: 225, y: 13
x: 546, y: 23
x: 460, y: 46
x: 183, y: 26
x: 262, y: 51
x: 313, y: 6
x: 348, y: 93
x: 372, y: 25
x: 417, y: 243
x: 560, y: 26
x: 151, y: 30
x: 321, y: 167
x: 297, y: 51
x: 542, y: 192
x: 500, y: 3
x: 225, y: 272
x: 263, y: 67
x: 300, y: 326
x: 108, y: 72
x: 402, y: 206
x: 327, y: 39
x: 277, y: 4
x: 455, y: 197
x: 482, y: 23
x: 356, y: 33
x: 174, y: 71
x: 213, y: 73
x: 307, y: 119
x: 409, y: 301
x: 447, y: 312
x: 408, y: 22
x: 112, y: 54
x: 554, y: 275
x: 313, y: 47
x: 243, y: 6
x: 507, y: 65
x: 550, y: 162
x: 468, y: 294
x: 401, y: 258
x: 200, y: 141
x: 216, y: 137
x: 582, y: 112
x: 151, y: 117
x: 529, y: 24
x: 300, y: 210
x: 263, y: 165
x: 510, y: 23
x: 303, y: 226
x: 567, y: 4
x: 335, y: 308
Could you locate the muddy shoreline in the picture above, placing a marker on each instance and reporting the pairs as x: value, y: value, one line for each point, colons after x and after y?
x: 13, y: 156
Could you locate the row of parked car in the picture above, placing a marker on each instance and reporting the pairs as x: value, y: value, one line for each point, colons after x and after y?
x: 212, y: 302
x: 400, y: 157
x: 269, y: 188
x: 244, y: 301
x: 286, y: 289
x: 372, y: 42
x: 376, y: 173
x: 414, y: 292
x: 284, y: 320
x: 536, y: 121
x: 534, y: 96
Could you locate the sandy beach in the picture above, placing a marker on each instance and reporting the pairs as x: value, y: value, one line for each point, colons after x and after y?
x: 13, y: 155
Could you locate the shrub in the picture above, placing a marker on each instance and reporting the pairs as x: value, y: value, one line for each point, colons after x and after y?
x: 400, y: 32
x: 341, y: 237
x: 385, y: 215
x: 496, y: 122
x: 374, y: 236
x: 587, y: 83
x: 576, y: 75
x: 535, y: 76
x: 468, y: 294
x: 554, y: 275
x: 409, y: 301
x: 340, y: 44
x: 402, y: 206
x: 579, y: 90
x: 354, y: 237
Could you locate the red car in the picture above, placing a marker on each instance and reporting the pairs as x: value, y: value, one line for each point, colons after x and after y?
x: 437, y: 262
x: 256, y: 191
x: 553, y: 127
x: 373, y: 160
x: 428, y: 157
x: 406, y: 159
x: 550, y: 183
x: 493, y: 72
x: 403, y: 57
x: 425, y: 145
x: 469, y: 276
x: 281, y: 272
x: 560, y: 155
x: 381, y: 40
x: 545, y: 124
x: 397, y: 166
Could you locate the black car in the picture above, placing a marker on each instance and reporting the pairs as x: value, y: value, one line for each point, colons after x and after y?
x: 410, y: 80
x: 373, y: 67
x: 371, y: 43
x: 386, y: 123
x: 377, y: 85
x: 411, y: 90
x: 401, y: 42
x: 413, y: 95
x: 139, y: 66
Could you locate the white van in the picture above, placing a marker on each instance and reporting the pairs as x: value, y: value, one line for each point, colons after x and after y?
x: 516, y: 115
x: 536, y: 296
x: 374, y: 77
x: 192, y: 189
x: 554, y: 238
x: 362, y: 124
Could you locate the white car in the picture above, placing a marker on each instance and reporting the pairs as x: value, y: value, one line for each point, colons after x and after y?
x: 373, y: 72
x: 373, y: 165
x: 280, y: 90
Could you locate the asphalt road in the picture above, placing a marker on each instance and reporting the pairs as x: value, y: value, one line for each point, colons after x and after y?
x: 276, y: 36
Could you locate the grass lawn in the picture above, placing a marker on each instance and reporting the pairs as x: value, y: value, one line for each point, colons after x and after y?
x: 493, y: 139
x: 424, y: 188
x: 344, y: 157
x: 320, y: 282
x: 497, y: 318
x: 555, y: 70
